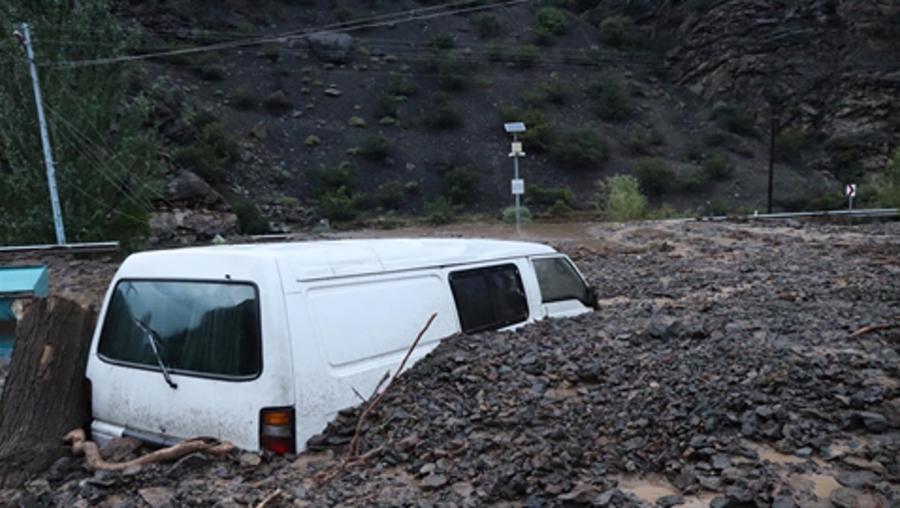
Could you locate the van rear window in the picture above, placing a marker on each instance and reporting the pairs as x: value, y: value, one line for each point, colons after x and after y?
x: 489, y: 298
x: 203, y: 328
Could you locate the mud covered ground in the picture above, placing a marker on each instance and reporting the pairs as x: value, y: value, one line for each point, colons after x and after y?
x: 721, y: 370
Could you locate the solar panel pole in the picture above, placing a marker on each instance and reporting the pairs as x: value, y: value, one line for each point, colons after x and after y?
x: 45, y: 138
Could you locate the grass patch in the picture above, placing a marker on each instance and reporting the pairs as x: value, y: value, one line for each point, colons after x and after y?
x: 439, y: 211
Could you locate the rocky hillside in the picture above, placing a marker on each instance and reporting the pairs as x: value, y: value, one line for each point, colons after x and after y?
x: 404, y: 114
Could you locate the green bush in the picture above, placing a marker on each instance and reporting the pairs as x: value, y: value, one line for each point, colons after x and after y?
x: 277, y: 103
x: 522, y: 56
x: 552, y: 91
x: 324, y: 179
x: 386, y: 105
x: 440, y: 114
x: 441, y: 41
x: 550, y: 23
x: 619, y: 32
x: 210, y: 68
x: 272, y: 52
x: 439, y: 211
x: 401, y: 85
x: 560, y: 209
x: 453, y: 73
x: 209, y: 155
x: 718, y: 166
x: 579, y: 148
x: 461, y: 185
x: 242, y: 98
x: 391, y: 194
x: 357, y: 122
x: 734, y: 119
x: 789, y: 144
x: 655, y: 176
x: 887, y: 185
x: 609, y: 101
x: 250, y: 221
x: 549, y: 196
x: 338, y: 205
x: 509, y: 214
x: 624, y: 200
x: 312, y: 140
x: 642, y: 142
x: 696, y: 180
x: 487, y: 25
x: 376, y: 148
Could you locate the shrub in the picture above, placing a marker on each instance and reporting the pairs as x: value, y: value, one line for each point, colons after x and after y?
x: 391, y: 194
x: 642, y: 142
x: 312, y: 140
x: 272, y: 52
x: 400, y: 85
x: 509, y: 214
x: 552, y: 91
x: 609, y: 101
x: 552, y: 20
x: 356, y: 121
x: 375, y: 148
x: 717, y: 166
x: 887, y: 185
x: 734, y: 119
x: 487, y: 25
x: 386, y: 105
x: 716, y: 138
x: 655, y: 176
x: 441, y: 41
x: 619, y: 32
x: 326, y: 179
x: 338, y: 205
x: 242, y: 98
x: 214, y: 149
x: 250, y: 221
x: 624, y: 200
x: 560, y: 209
x: 439, y: 211
x: 549, y: 196
x: 695, y: 180
x: 461, y: 185
x: 522, y: 56
x: 579, y: 149
x: 789, y: 144
x: 209, y: 68
x: 453, y: 73
x: 277, y: 102
x: 440, y: 113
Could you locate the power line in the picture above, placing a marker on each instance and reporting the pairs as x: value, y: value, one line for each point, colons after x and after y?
x: 342, y: 27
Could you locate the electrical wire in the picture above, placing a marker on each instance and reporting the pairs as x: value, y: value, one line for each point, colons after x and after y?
x: 342, y: 27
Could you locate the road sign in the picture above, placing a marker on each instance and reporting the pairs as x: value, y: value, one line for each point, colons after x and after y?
x: 850, y: 190
x: 518, y: 186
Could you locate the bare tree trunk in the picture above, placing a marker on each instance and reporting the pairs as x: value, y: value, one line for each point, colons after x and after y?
x: 44, y: 396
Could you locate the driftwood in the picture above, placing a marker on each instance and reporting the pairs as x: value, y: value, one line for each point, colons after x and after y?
x: 873, y: 328
x: 95, y: 462
x: 45, y: 393
x: 352, y: 457
x: 268, y: 499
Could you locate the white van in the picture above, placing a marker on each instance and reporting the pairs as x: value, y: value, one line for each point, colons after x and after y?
x: 261, y: 345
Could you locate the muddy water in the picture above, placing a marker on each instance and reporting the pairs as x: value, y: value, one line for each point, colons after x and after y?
x: 651, y: 488
x: 772, y: 455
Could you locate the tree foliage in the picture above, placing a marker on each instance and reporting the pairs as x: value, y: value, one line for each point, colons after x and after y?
x: 106, y: 156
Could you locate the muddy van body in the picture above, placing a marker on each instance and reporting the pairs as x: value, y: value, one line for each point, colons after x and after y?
x: 261, y: 345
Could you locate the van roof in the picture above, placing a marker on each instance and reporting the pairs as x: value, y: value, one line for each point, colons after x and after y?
x: 335, y: 258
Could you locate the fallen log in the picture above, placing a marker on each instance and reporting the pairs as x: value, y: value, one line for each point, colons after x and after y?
x: 44, y: 395
x: 873, y: 328
x: 94, y: 461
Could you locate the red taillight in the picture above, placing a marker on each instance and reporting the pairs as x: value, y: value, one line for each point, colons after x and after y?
x: 276, y: 430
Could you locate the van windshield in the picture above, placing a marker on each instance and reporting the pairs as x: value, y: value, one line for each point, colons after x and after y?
x: 202, y: 328
x: 560, y: 281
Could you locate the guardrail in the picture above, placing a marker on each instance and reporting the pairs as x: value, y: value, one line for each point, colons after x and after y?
x: 872, y: 213
x: 86, y: 247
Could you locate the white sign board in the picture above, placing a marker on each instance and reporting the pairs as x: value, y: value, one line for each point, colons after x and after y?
x: 850, y: 190
x: 518, y: 186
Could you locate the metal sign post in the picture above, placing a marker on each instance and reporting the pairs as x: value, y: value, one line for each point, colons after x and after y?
x: 45, y: 138
x: 517, y: 185
x: 850, y: 192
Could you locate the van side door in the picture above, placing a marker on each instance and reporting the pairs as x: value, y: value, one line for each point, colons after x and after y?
x: 564, y: 291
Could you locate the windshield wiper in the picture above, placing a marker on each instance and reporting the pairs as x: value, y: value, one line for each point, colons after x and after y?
x: 153, y: 339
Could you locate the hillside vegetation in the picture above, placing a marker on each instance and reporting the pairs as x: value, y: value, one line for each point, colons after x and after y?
x: 378, y: 119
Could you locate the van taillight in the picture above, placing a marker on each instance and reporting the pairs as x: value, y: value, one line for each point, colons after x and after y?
x: 276, y: 430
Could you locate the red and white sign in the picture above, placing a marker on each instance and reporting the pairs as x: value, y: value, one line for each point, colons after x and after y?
x: 850, y: 190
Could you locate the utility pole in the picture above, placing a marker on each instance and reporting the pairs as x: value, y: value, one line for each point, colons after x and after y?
x: 518, y: 185
x: 45, y: 137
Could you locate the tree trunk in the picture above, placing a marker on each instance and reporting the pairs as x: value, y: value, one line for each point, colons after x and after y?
x: 44, y: 396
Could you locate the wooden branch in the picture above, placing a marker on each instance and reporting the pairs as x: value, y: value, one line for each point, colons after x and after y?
x: 268, y: 499
x: 353, y: 447
x: 873, y: 328
x: 80, y: 445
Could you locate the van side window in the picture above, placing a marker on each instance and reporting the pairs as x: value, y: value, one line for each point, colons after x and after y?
x: 209, y: 329
x: 559, y: 280
x: 489, y: 298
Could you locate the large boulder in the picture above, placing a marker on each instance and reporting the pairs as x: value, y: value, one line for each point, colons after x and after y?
x: 186, y: 187
x: 189, y: 226
x: 331, y: 46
